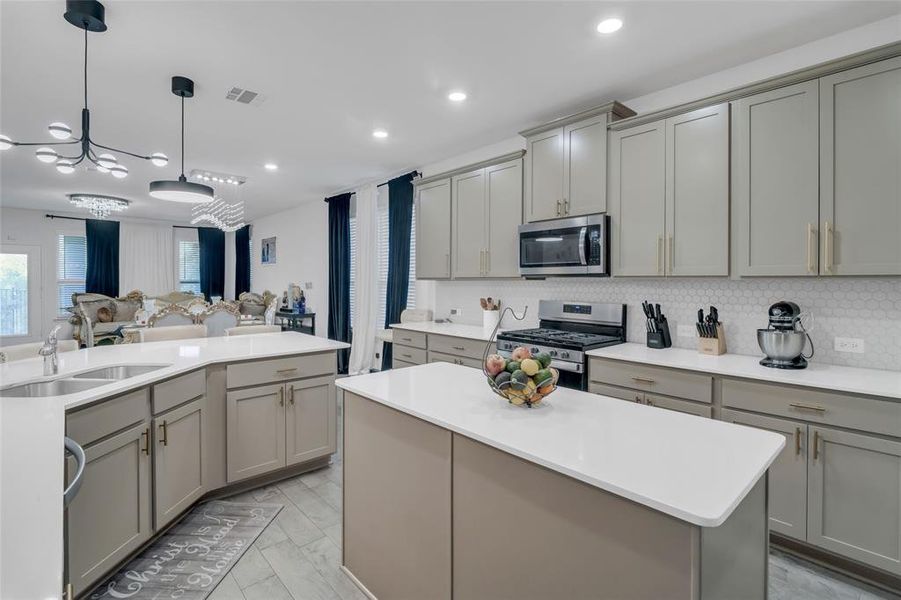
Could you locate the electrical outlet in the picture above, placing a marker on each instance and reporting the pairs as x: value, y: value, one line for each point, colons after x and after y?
x: 308, y: 285
x: 843, y: 344
x: 456, y: 312
x: 686, y: 331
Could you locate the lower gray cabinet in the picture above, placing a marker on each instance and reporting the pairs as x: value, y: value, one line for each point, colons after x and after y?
x: 110, y: 516
x: 854, y: 492
x: 255, y: 431
x: 787, y: 489
x: 311, y: 419
x: 178, y: 460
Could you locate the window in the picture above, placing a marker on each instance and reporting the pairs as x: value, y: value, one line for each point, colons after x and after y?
x: 71, y: 266
x: 13, y: 294
x: 189, y: 266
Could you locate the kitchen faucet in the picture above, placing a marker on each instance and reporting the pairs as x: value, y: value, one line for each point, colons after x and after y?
x: 48, y: 351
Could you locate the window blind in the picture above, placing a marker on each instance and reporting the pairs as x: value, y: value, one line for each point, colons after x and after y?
x: 71, y: 266
x: 189, y: 266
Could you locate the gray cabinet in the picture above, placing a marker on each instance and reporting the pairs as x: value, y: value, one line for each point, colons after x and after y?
x: 111, y: 516
x: 469, y: 224
x: 178, y: 454
x: 787, y: 487
x: 669, y: 195
x: 585, y: 160
x: 775, y: 181
x: 545, y: 172
x: 860, y: 155
x: 255, y: 431
x: 433, y: 228
x: 854, y: 493
x: 311, y: 418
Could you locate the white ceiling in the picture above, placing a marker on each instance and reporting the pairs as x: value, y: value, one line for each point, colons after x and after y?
x: 334, y: 71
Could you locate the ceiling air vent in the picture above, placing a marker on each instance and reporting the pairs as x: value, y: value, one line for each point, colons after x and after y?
x: 245, y: 96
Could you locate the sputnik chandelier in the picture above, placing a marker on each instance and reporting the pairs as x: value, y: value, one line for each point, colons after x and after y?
x: 89, y: 16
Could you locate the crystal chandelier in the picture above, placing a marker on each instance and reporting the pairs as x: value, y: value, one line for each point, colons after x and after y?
x: 89, y: 16
x: 99, y: 206
x: 227, y: 216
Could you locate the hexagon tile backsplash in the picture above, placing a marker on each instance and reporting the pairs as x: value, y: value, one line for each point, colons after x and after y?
x: 866, y: 308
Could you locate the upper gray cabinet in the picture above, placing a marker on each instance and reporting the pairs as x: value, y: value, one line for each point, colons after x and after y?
x: 860, y: 160
x: 669, y: 195
x: 774, y: 181
x: 565, y: 166
x: 433, y: 229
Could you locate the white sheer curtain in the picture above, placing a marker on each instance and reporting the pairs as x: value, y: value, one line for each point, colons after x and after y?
x: 366, y: 282
x: 146, y: 259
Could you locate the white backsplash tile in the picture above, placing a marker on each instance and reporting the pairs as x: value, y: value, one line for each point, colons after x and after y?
x: 867, y: 308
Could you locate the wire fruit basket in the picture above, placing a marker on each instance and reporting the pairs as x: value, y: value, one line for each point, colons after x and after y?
x: 522, y: 379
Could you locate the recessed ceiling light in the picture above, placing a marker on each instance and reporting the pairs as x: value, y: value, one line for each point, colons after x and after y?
x: 380, y: 133
x: 609, y: 25
x: 457, y: 96
x: 271, y: 167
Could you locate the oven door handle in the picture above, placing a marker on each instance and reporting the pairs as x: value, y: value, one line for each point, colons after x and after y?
x: 570, y: 367
x: 583, y: 233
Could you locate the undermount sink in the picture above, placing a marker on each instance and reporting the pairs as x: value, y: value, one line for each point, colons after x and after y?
x: 118, y: 372
x: 55, y: 387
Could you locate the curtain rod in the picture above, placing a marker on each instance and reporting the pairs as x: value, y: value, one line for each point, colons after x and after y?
x: 415, y: 173
x: 50, y: 216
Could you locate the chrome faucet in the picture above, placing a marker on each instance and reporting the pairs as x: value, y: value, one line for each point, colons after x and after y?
x: 48, y: 351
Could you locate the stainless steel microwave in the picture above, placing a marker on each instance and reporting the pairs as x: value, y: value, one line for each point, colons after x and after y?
x: 565, y: 247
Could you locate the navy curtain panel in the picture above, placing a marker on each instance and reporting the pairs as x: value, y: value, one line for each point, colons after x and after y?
x: 400, y: 222
x: 339, y: 273
x: 102, y: 272
x: 242, y: 260
x: 212, y: 261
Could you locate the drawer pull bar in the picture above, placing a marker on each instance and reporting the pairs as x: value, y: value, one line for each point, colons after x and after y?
x: 643, y: 380
x: 458, y: 348
x: 406, y: 339
x: 818, y: 409
x: 281, y: 396
x: 291, y: 395
x: 146, y: 435
x: 638, y: 399
x: 816, y: 444
x: 406, y: 356
x: 797, y: 441
x: 287, y: 371
x: 165, y: 439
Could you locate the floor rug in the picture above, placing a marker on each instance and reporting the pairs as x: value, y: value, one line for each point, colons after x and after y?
x: 190, y: 559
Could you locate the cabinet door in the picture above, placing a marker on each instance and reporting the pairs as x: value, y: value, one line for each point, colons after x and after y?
x: 504, y: 189
x: 636, y: 203
x: 110, y: 516
x: 433, y: 223
x: 585, y: 163
x: 697, y: 192
x: 684, y: 406
x: 787, y: 497
x: 255, y: 431
x: 775, y: 183
x: 311, y: 419
x: 860, y: 155
x: 544, y: 176
x: 178, y: 460
x: 469, y: 224
x: 854, y: 496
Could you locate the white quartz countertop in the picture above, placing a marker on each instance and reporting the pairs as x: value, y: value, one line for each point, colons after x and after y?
x: 695, y: 469
x: 874, y: 382
x: 178, y: 355
x: 474, y: 332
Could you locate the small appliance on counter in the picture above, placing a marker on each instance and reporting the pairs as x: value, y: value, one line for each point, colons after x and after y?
x: 657, y: 326
x: 711, y: 335
x: 784, y: 340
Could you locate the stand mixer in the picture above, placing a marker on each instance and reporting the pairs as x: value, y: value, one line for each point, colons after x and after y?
x: 784, y: 340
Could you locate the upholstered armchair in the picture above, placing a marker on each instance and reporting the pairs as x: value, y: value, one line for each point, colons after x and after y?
x: 219, y: 317
x: 97, y: 318
x: 251, y: 303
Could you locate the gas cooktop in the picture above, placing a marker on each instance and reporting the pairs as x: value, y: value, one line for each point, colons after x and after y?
x: 577, y: 340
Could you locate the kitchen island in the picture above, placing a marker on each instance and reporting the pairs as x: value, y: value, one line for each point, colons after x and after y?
x: 212, y: 397
x: 450, y: 492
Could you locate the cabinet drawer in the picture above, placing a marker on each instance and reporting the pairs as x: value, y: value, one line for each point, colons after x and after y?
x: 279, y: 369
x: 692, y: 408
x: 614, y: 392
x: 406, y: 337
x: 170, y: 394
x: 853, y: 412
x: 693, y: 386
x: 458, y: 346
x: 409, y: 354
x: 475, y: 363
x: 107, y: 417
x: 399, y: 364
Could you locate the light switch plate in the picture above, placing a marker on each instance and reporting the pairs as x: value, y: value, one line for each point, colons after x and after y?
x: 456, y: 312
x: 308, y: 285
x: 843, y: 344
x: 686, y: 331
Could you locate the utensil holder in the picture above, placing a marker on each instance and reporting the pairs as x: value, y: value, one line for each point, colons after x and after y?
x: 490, y: 319
x: 661, y: 338
x: 715, y: 345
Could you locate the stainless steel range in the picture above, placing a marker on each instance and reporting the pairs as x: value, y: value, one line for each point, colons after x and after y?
x: 566, y: 331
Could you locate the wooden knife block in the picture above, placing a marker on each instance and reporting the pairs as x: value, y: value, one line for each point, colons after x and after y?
x: 713, y: 346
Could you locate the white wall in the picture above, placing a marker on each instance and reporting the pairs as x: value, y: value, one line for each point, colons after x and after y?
x: 301, y: 256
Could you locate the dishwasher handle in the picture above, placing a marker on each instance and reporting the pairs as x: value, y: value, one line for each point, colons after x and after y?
x: 76, y: 451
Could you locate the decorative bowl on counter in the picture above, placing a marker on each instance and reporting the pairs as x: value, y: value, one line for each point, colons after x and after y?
x: 523, y: 379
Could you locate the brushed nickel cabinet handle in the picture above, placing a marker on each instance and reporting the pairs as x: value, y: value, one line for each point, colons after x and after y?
x: 672, y: 255
x: 406, y: 339
x: 811, y: 267
x: 406, y: 356
x: 286, y: 371
x: 165, y: 439
x: 487, y: 262
x: 458, y: 348
x: 828, y: 247
x: 649, y: 402
x: 70, y: 592
x: 643, y: 380
x: 818, y: 409
x: 447, y: 260
x: 797, y: 441
x: 816, y: 444
x: 565, y: 207
x: 659, y: 255
x: 281, y: 396
x: 146, y: 435
x: 291, y: 395
x: 638, y: 399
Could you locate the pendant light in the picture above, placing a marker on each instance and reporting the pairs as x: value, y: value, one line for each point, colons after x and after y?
x: 182, y: 190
